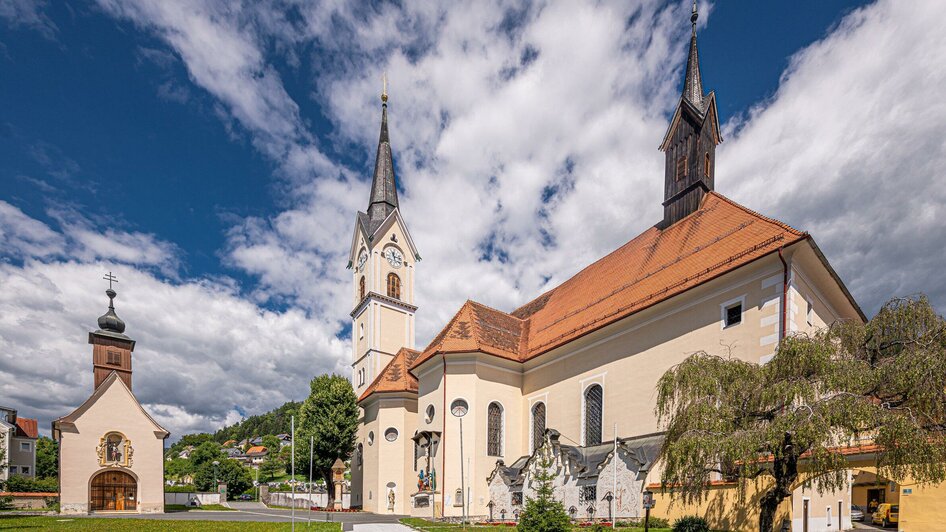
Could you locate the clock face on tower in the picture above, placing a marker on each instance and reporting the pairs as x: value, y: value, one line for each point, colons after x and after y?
x: 362, y: 258
x: 394, y: 257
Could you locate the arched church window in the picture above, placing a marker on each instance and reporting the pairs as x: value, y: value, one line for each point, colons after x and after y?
x: 394, y: 286
x: 593, y: 397
x: 494, y: 430
x: 361, y: 288
x: 538, y: 425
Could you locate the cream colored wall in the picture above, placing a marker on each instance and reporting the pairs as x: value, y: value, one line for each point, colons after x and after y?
x: 386, y: 462
x: 628, y: 358
x: 393, y: 331
x: 820, y: 519
x: 116, y: 410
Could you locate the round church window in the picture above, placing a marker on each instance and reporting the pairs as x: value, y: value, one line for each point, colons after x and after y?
x: 390, y: 434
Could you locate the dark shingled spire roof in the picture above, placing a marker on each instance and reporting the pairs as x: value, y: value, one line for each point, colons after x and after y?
x: 693, y: 84
x: 383, y: 185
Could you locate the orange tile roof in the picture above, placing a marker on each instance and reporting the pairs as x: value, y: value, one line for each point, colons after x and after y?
x: 395, y: 377
x: 656, y: 265
x: 258, y: 449
x: 27, y: 427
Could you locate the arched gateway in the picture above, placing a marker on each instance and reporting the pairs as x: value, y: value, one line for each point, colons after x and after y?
x: 113, y: 491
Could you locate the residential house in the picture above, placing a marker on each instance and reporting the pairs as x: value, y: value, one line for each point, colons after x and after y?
x: 19, y: 443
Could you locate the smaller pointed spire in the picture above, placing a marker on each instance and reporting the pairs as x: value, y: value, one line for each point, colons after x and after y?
x: 693, y: 83
x: 383, y: 183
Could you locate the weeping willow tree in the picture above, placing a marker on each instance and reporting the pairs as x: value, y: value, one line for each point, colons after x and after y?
x: 884, y: 381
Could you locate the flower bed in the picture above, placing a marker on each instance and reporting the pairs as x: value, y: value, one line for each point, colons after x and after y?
x: 343, y: 510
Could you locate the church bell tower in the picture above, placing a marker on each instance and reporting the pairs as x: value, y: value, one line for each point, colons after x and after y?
x: 111, y: 349
x: 382, y: 259
x: 690, y: 143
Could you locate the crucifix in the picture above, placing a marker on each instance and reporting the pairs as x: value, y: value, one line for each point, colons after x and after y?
x: 111, y: 279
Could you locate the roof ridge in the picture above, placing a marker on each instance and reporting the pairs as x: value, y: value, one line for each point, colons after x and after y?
x: 757, y: 214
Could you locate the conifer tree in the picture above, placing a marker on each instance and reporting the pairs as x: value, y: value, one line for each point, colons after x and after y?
x: 543, y: 513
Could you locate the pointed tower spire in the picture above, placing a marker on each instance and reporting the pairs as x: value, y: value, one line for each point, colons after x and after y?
x: 690, y: 142
x: 693, y: 83
x: 383, y: 184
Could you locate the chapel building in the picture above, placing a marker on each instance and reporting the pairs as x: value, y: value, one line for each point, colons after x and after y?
x: 111, y: 451
x: 576, y: 368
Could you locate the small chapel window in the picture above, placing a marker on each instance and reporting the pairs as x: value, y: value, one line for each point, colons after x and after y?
x: 588, y: 494
x: 113, y: 358
x: 394, y: 286
x: 361, y: 288
x: 707, y: 166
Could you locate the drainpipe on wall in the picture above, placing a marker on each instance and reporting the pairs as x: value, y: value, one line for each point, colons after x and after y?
x: 784, y: 329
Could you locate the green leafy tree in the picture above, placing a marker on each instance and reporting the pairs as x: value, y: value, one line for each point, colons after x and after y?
x: 47, y: 458
x: 205, y: 453
x: 271, y: 443
x: 885, y: 379
x: 543, y: 513
x: 194, y: 440
x: 236, y: 476
x: 272, y: 422
x: 330, y: 415
x: 178, y: 468
x: 272, y: 464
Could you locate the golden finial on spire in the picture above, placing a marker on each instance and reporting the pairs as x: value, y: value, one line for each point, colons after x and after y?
x: 384, y: 87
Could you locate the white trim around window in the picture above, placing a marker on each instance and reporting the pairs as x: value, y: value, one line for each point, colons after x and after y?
x: 741, y: 300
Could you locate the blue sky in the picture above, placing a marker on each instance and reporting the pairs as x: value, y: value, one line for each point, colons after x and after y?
x: 213, y: 155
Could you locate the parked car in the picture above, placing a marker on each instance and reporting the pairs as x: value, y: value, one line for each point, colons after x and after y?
x: 856, y: 513
x: 245, y: 497
x: 886, y: 514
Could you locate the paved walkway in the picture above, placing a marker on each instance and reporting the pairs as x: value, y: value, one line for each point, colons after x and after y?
x: 279, y: 515
x: 381, y: 527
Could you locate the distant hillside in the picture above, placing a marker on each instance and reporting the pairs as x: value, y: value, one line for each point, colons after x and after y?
x: 272, y: 422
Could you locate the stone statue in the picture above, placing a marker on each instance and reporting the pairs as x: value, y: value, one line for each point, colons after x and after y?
x: 391, y: 500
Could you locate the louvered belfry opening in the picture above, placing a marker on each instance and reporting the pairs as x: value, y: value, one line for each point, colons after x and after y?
x: 593, y: 397
x: 538, y: 425
x: 494, y: 430
x: 394, y: 286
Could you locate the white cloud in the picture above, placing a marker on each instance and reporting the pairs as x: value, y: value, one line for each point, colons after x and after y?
x: 525, y: 139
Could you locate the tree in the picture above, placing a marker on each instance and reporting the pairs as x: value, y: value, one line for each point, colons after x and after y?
x: 177, y: 468
x: 273, y: 463
x: 47, y: 458
x: 271, y: 443
x: 788, y: 420
x: 330, y: 415
x: 543, y: 513
x: 194, y: 440
x: 206, y: 453
x: 236, y: 476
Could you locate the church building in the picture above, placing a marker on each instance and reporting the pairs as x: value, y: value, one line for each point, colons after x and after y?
x: 574, y: 370
x: 111, y: 452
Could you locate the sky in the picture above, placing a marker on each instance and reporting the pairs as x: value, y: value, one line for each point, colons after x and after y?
x: 212, y: 155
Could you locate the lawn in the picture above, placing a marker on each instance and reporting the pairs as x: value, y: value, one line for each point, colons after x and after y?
x: 206, y: 507
x: 91, y: 523
x: 433, y: 526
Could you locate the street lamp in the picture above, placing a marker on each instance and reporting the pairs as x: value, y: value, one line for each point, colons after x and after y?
x: 216, y: 463
x: 459, y: 408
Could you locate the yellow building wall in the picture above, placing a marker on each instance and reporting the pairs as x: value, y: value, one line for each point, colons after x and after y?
x: 922, y: 508
x: 725, y: 507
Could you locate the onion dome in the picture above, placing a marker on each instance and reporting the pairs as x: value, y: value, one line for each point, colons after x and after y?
x: 110, y: 321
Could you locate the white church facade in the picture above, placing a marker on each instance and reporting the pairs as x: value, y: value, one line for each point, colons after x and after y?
x: 111, y: 451
x: 576, y: 368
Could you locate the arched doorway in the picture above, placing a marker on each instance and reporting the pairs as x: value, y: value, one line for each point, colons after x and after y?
x: 113, y: 491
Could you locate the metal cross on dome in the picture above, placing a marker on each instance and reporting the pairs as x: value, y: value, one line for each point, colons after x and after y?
x: 111, y: 279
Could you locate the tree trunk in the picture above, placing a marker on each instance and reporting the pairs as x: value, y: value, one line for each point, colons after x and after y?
x: 329, y: 486
x: 785, y: 472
